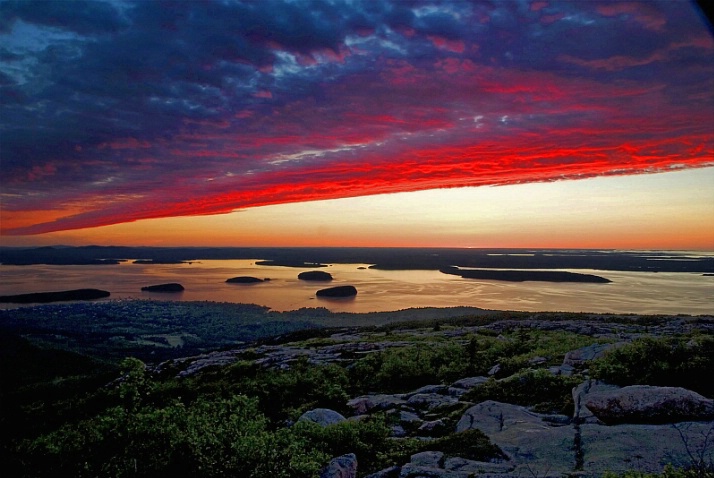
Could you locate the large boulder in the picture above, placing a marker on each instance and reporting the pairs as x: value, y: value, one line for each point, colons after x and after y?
x: 322, y: 416
x: 344, y: 466
x: 581, y: 414
x: 647, y: 404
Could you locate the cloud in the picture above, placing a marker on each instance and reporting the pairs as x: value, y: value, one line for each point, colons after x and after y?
x: 115, y: 111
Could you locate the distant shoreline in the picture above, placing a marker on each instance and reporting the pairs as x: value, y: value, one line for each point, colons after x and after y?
x: 55, y: 296
x: 380, y: 258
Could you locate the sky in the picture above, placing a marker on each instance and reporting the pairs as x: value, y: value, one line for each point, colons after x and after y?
x: 357, y: 123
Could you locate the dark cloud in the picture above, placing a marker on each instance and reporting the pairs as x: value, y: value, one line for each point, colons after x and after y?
x: 85, y: 17
x: 235, y: 100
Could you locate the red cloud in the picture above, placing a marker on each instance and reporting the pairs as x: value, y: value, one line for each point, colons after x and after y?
x: 402, y: 126
x: 642, y: 12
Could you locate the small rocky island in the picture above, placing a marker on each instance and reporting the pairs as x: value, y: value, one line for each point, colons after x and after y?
x: 159, y: 261
x: 244, y: 280
x: 60, y: 296
x: 315, y: 276
x: 171, y: 287
x: 522, y: 276
x: 289, y: 263
x: 337, y: 292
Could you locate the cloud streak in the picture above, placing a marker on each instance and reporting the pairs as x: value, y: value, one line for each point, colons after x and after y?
x: 114, y: 112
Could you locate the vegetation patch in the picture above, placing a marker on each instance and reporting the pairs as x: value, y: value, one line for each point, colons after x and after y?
x: 540, y: 389
x: 675, y: 362
x: 469, y: 444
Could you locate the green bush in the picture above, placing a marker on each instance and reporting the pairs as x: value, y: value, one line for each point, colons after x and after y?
x: 368, y: 439
x: 282, y: 394
x: 469, y: 444
x: 407, y: 368
x: 675, y: 362
x: 538, y: 388
x: 204, y: 438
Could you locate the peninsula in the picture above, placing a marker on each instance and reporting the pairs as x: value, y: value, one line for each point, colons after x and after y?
x: 522, y: 276
x: 60, y: 296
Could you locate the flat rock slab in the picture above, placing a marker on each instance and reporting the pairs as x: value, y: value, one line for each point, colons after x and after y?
x: 530, y: 442
x: 579, y: 357
x: 645, y: 448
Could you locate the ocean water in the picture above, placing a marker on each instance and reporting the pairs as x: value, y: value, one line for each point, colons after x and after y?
x: 378, y: 290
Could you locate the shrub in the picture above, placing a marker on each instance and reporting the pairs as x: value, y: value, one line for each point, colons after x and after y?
x: 368, y: 439
x: 538, y: 388
x: 469, y: 444
x: 407, y: 368
x: 674, y: 362
x: 223, y: 437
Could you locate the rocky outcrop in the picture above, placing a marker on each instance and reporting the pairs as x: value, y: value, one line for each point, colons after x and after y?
x: 430, y: 401
x: 172, y: 287
x: 581, y: 414
x: 536, y: 444
x: 580, y: 357
x: 529, y: 441
x: 243, y: 280
x: 647, y: 404
x: 645, y: 448
x: 344, y: 466
x: 460, y: 387
x: 336, y: 292
x: 374, y: 403
x: 435, y: 464
x: 315, y: 276
x: 322, y: 416
x: 61, y: 296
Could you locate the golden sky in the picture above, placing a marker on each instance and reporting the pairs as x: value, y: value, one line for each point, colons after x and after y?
x: 672, y: 210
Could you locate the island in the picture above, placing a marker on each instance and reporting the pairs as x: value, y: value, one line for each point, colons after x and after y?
x: 171, y: 287
x: 289, y: 263
x: 244, y: 280
x: 158, y: 261
x: 315, y: 276
x: 522, y: 276
x: 60, y: 296
x: 336, y: 292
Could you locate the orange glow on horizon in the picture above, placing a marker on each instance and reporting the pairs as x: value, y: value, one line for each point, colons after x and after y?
x: 673, y: 211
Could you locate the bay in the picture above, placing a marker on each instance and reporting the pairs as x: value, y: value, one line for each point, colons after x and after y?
x: 378, y: 290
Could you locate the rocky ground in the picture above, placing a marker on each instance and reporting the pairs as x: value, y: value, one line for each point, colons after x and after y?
x: 609, y: 428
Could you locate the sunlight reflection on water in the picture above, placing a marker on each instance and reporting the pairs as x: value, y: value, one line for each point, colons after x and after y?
x: 629, y: 292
